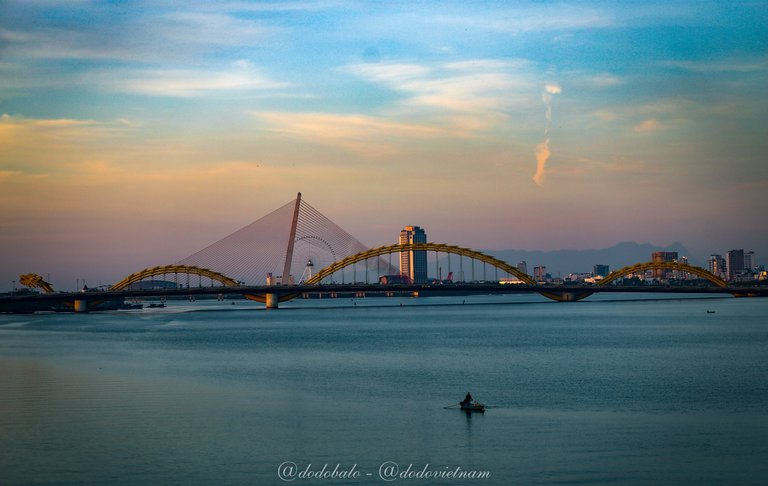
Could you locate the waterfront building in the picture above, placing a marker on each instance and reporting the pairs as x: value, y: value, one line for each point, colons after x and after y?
x: 734, y: 263
x: 523, y: 267
x: 750, y: 263
x: 663, y: 256
x: 393, y: 280
x: 716, y: 265
x: 578, y: 278
x: 683, y: 275
x: 413, y: 264
x: 601, y: 270
x: 540, y: 273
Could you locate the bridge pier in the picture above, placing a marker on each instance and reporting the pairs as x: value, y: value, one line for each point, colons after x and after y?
x: 271, y: 301
x: 81, y: 305
x: 565, y: 296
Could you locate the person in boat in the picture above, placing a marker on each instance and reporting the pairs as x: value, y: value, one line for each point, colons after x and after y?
x: 467, y: 400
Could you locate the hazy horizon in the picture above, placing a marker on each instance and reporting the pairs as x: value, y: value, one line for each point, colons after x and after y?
x: 138, y: 132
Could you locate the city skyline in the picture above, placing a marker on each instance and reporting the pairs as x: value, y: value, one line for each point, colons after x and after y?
x: 134, y: 134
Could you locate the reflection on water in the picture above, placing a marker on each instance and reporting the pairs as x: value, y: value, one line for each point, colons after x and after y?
x: 615, y: 391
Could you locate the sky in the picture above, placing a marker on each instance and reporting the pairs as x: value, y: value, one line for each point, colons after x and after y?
x: 134, y: 133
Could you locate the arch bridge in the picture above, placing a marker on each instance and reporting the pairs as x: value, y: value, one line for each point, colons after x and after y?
x: 272, y: 295
x: 272, y: 298
x: 511, y: 270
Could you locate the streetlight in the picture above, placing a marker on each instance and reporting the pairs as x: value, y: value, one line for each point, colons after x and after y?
x: 13, y: 282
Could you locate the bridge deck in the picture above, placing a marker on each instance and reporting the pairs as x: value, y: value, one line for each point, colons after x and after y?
x: 339, y: 288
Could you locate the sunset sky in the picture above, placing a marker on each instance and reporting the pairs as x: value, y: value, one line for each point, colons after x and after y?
x: 133, y: 133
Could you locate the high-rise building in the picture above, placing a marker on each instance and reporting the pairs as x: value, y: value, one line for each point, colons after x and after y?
x: 601, y: 270
x: 540, y: 274
x: 734, y: 263
x: 716, y: 265
x: 663, y: 256
x: 413, y: 264
x: 750, y: 263
x: 683, y: 275
x: 523, y: 267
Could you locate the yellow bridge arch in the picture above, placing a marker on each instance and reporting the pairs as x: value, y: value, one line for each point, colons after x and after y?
x: 438, y: 247
x: 641, y: 267
x: 192, y: 270
x: 166, y: 269
x: 680, y: 267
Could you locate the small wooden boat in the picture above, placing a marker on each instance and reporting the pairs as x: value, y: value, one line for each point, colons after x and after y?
x: 472, y: 407
x: 710, y: 312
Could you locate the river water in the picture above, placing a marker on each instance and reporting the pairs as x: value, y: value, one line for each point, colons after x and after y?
x: 634, y: 390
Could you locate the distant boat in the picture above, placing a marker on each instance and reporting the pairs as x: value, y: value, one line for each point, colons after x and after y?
x: 472, y: 407
x: 710, y: 312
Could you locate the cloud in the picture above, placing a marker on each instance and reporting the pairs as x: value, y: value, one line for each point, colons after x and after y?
x: 542, y: 155
x: 39, y: 146
x: 720, y: 66
x: 518, y: 20
x: 649, y: 125
x: 240, y: 76
x: 600, y: 80
x: 150, y: 35
x: 650, y: 113
x: 549, y: 90
x: 361, y: 133
x: 440, y: 100
x: 605, y: 114
x: 479, y: 86
x: 542, y: 152
x: 7, y: 174
x: 281, y: 6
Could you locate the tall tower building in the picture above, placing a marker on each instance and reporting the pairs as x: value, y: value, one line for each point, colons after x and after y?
x: 734, y: 263
x: 413, y: 264
x: 663, y: 256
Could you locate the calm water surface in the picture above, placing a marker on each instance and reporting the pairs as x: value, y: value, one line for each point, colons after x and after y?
x: 638, y: 391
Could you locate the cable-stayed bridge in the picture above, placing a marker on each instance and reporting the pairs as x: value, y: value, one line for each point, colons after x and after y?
x: 296, y: 249
x: 280, y: 244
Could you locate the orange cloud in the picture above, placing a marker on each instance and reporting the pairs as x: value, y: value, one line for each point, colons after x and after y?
x: 649, y: 125
x: 542, y: 155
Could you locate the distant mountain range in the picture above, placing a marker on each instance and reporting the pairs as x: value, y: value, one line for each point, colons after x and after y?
x: 563, y: 262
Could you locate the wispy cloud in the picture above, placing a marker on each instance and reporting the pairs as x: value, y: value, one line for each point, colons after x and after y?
x: 241, y: 76
x: 600, y: 80
x: 361, y: 133
x: 149, y: 36
x: 534, y: 19
x: 651, y: 116
x: 450, y: 100
x: 648, y: 126
x: 720, y: 66
x: 286, y: 6
x: 32, y: 146
x: 471, y: 86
